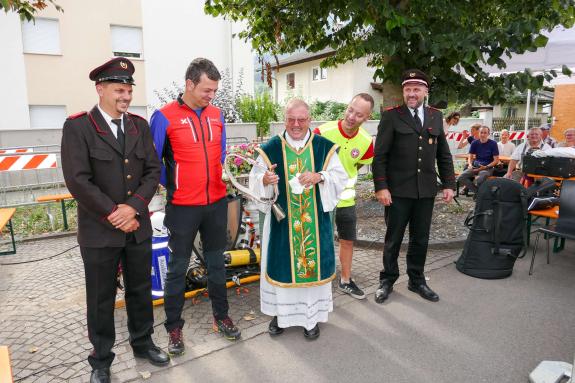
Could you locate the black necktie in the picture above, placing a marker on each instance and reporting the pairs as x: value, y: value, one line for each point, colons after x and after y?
x: 120, y: 135
x: 417, y: 120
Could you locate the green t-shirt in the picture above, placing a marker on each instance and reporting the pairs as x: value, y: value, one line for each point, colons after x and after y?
x: 354, y: 151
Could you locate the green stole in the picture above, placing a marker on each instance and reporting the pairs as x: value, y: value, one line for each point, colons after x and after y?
x: 300, y: 248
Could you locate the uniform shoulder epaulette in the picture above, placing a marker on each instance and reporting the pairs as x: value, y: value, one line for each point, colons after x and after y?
x: 79, y: 114
x: 393, y: 107
x: 136, y: 115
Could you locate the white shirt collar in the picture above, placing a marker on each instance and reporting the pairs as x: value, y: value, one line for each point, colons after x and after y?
x: 296, y: 144
x: 109, y: 119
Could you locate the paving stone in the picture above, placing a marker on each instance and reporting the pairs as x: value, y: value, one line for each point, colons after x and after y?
x: 43, y: 306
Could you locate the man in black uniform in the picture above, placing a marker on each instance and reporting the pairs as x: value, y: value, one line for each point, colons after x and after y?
x: 410, y: 140
x: 111, y: 168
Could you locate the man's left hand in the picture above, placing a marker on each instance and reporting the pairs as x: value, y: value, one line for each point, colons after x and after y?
x: 309, y: 179
x: 122, y: 215
x: 447, y: 195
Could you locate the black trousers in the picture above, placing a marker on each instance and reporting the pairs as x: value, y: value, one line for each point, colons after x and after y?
x: 100, y: 268
x: 183, y: 223
x: 417, y: 213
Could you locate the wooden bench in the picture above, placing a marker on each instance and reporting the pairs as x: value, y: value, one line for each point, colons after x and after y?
x: 58, y: 198
x: 5, y: 368
x: 6, y: 215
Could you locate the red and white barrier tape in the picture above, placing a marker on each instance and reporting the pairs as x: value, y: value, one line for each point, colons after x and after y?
x: 27, y: 162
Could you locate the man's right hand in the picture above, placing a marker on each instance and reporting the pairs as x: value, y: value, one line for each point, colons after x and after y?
x: 270, y: 178
x: 383, y: 196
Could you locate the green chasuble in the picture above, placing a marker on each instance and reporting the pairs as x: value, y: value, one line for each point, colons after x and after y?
x: 300, y: 248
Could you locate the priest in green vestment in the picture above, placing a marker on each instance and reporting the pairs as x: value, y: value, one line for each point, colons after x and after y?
x: 298, y: 259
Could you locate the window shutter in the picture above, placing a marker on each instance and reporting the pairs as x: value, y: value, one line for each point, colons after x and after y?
x: 41, y: 37
x: 127, y: 41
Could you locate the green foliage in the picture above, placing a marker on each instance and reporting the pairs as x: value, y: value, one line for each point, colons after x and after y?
x: 34, y: 219
x: 27, y: 9
x: 452, y: 41
x: 327, y: 111
x: 259, y: 109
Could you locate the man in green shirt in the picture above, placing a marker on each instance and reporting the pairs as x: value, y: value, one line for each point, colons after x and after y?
x: 355, y: 150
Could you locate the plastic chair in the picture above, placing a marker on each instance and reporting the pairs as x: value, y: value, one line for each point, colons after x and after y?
x: 564, y: 228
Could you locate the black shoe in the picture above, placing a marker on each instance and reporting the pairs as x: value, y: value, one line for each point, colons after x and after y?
x: 176, y: 345
x: 154, y: 355
x: 312, y: 334
x: 423, y: 290
x: 227, y: 328
x: 100, y: 375
x: 351, y: 289
x: 385, y: 288
x: 273, y: 328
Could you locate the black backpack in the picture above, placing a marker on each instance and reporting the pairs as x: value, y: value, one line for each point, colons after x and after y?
x: 498, y: 230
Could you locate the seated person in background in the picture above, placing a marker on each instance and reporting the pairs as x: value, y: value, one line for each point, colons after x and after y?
x: 569, y: 139
x: 468, y: 139
x: 534, y: 142
x: 451, y: 120
x: 483, y: 156
x: 506, y: 149
x: 505, y: 146
x: 546, y: 137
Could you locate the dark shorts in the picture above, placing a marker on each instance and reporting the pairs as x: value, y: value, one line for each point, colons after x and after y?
x: 345, y: 222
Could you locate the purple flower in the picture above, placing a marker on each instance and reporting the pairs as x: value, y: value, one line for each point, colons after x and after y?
x: 238, y: 161
x: 243, y: 146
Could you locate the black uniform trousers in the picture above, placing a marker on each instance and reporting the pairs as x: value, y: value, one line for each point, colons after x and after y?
x: 417, y: 213
x: 183, y: 224
x: 100, y: 268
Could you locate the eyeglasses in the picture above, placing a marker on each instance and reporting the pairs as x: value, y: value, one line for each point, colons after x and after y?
x: 300, y: 121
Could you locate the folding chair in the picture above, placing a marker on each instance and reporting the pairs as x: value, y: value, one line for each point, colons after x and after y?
x: 564, y: 228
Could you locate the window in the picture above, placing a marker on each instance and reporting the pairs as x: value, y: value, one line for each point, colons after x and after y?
x: 127, y: 41
x: 318, y: 73
x: 141, y: 111
x: 290, y: 80
x: 41, y: 37
x: 47, y: 116
x: 510, y: 112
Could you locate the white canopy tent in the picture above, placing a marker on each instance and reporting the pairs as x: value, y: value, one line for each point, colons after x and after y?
x: 559, y: 51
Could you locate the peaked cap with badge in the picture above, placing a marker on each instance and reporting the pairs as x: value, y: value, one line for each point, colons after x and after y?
x: 118, y: 69
x: 414, y: 76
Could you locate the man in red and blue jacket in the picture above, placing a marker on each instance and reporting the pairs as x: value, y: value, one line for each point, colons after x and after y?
x: 189, y: 134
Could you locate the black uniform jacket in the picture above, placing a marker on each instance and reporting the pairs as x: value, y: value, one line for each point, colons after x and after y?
x: 100, y: 176
x: 404, y: 157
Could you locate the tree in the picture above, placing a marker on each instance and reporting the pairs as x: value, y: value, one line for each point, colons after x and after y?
x: 27, y: 9
x: 452, y: 41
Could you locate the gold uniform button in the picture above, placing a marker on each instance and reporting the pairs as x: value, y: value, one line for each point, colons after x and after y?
x: 420, y: 148
x: 126, y: 161
x: 419, y: 159
x: 129, y: 176
x: 130, y: 192
x: 421, y: 138
x: 419, y: 170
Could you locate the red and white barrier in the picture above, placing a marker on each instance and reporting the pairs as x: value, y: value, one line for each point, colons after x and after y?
x: 27, y: 162
x: 512, y: 135
x: 10, y: 151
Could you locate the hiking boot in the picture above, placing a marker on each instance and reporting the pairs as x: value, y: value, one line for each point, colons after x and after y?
x: 227, y: 328
x: 176, y: 344
x: 351, y: 289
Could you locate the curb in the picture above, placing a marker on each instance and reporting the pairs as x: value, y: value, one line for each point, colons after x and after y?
x: 456, y: 243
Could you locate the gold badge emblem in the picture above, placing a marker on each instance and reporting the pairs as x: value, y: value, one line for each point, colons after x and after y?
x: 412, y: 74
x: 123, y: 65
